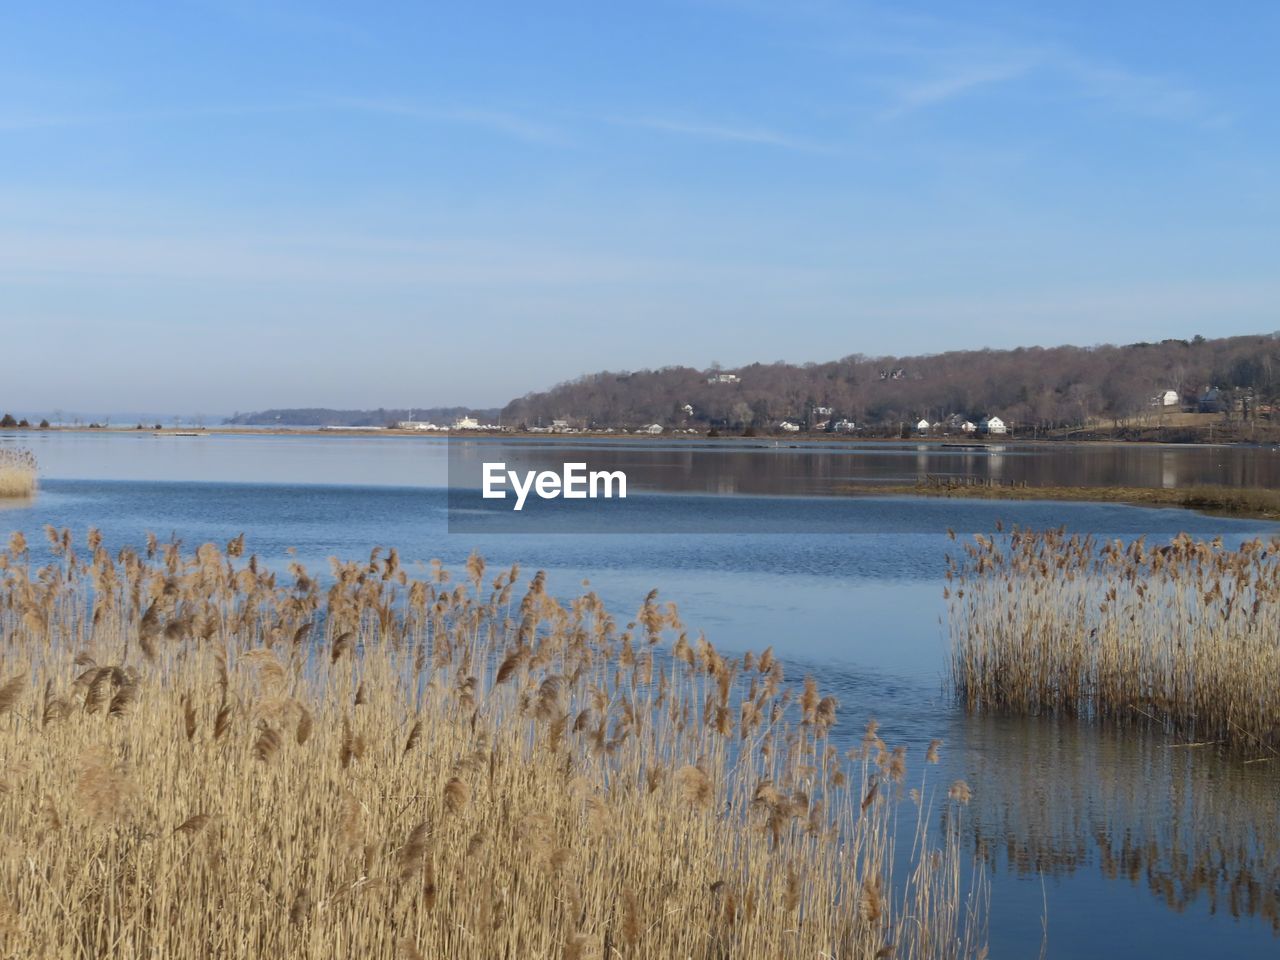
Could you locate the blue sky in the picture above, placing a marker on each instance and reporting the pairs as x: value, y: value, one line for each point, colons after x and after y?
x: 233, y: 205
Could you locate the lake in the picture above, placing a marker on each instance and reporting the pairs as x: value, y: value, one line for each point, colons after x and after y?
x: 1125, y: 844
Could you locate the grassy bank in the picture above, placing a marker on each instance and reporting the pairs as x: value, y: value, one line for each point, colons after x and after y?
x: 1255, y: 503
x: 17, y: 473
x: 205, y: 758
x: 1184, y: 635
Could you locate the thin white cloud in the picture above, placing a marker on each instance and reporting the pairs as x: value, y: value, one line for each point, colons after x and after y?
x: 724, y: 133
x: 29, y: 120
x: 496, y: 121
x: 1148, y: 95
x: 1077, y: 77
x: 956, y: 83
x: 933, y: 62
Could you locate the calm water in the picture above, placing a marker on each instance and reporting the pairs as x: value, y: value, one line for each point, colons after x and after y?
x: 1137, y: 848
x: 693, y: 466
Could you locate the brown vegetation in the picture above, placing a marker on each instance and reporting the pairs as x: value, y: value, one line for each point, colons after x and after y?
x: 204, y: 758
x: 1252, y: 502
x: 1183, y: 635
x: 17, y: 473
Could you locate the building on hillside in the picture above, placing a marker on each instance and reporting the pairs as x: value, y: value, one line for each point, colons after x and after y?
x: 724, y: 378
x: 786, y: 426
x: 822, y: 411
x: 687, y: 409
x: 1212, y: 401
x: 1168, y: 398
x: 992, y: 425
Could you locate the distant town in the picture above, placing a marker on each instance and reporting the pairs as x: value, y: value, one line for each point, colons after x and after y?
x: 819, y: 419
x: 1193, y: 390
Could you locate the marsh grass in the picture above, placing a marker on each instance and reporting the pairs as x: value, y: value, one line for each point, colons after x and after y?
x: 17, y: 473
x: 1256, y: 502
x: 1185, y: 636
x: 204, y: 758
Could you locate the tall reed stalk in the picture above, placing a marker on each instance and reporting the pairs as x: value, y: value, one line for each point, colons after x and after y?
x: 202, y: 757
x: 1184, y: 635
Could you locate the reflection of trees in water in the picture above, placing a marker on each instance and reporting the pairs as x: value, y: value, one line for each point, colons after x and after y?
x: 765, y: 465
x: 1189, y: 825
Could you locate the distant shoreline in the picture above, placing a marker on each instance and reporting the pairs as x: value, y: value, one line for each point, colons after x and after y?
x: 763, y: 440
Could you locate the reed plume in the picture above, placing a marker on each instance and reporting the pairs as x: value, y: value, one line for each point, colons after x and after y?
x: 18, y: 473
x: 1181, y: 635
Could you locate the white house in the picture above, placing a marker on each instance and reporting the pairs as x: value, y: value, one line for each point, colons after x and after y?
x: 688, y: 409
x: 723, y: 378
x: 968, y: 426
x: 416, y: 425
x: 992, y: 425
x: 922, y: 426
x: 822, y: 411
x: 1169, y: 398
x: 466, y: 423
x: 845, y: 426
x: 788, y: 427
x: 654, y: 428
x: 559, y: 426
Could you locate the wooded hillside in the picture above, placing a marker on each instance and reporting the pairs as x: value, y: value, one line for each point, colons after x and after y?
x: 1030, y: 386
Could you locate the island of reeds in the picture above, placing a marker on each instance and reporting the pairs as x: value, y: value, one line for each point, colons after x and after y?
x: 1251, y: 502
x: 204, y: 757
x: 17, y: 473
x: 1184, y: 635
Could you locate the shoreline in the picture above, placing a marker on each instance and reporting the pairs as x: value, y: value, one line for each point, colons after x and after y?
x: 972, y: 444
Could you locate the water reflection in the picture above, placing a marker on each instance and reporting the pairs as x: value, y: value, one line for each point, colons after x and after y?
x: 766, y: 467
x: 693, y: 465
x: 1194, y: 828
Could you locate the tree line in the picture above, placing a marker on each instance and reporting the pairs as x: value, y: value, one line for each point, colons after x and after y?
x: 1034, y: 387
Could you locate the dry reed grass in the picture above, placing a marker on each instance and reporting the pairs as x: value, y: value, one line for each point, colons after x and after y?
x: 1253, y: 502
x: 1184, y: 635
x: 204, y: 758
x: 17, y: 473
